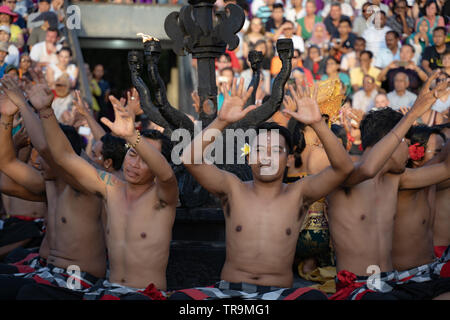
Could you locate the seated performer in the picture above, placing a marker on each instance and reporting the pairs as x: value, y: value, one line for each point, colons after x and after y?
x: 74, y: 234
x: 361, y: 212
x: 263, y: 216
x: 412, y: 249
x: 140, y: 209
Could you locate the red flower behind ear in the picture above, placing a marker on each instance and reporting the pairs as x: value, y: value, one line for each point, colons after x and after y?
x: 416, y: 152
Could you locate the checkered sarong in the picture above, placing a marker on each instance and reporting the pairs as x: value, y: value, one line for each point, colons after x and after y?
x: 352, y: 287
x: 29, y: 264
x: 440, y: 268
x: 105, y: 290
x: 58, y: 277
x: 246, y: 291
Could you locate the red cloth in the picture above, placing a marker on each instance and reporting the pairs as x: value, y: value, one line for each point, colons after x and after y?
x: 439, y: 251
x: 235, y: 65
x: 152, y: 292
x: 345, y: 285
x: 24, y: 218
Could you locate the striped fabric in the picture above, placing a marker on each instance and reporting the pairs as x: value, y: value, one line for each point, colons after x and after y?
x: 105, y: 290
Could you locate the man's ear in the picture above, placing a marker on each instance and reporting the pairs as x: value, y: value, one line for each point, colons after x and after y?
x: 290, y: 161
x: 107, y: 163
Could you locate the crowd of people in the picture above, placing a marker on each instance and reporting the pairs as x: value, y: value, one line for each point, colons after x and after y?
x: 94, y: 186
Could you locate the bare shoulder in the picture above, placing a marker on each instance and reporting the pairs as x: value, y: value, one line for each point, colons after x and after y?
x: 318, y: 160
x: 108, y: 178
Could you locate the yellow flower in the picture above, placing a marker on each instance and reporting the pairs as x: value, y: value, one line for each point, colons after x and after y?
x: 245, y: 150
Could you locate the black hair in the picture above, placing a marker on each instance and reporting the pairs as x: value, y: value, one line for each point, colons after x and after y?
x: 335, y: 4
x: 360, y: 39
x: 297, y: 128
x: 395, y: 33
x: 429, y: 3
x: 226, y: 55
x: 367, y: 52
x: 269, y: 126
x: 53, y: 30
x: 278, y: 5
x: 421, y: 134
x: 65, y: 49
x: 408, y: 45
x: 166, y: 143
x: 227, y: 69
x: 339, y: 131
x: 74, y: 138
x: 442, y: 126
x: 346, y: 20
x: 443, y: 29
x: 376, y: 124
x: 114, y: 148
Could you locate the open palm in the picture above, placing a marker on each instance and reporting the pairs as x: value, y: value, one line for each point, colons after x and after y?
x: 7, y: 107
x: 308, y: 110
x: 123, y: 125
x: 233, y: 105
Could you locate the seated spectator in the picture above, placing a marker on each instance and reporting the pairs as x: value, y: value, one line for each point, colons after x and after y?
x: 310, y: 19
x: 43, y: 6
x: 20, y: 21
x: 351, y: 60
x: 332, y: 72
x: 406, y: 65
x: 381, y: 101
x: 432, y: 16
x: 24, y: 67
x: 63, y: 67
x: 226, y: 76
x: 299, y: 72
x: 314, y: 62
x: 12, y: 71
x: 390, y: 53
x: 443, y: 103
x: 360, y: 24
x: 400, y: 22
x: 7, y: 17
x: 224, y: 61
x: 63, y: 99
x: 3, y: 53
x: 275, y: 21
x: 346, y: 9
x: 44, y: 53
x: 344, y: 42
x: 265, y: 11
x: 296, y: 12
x: 38, y: 34
x: 422, y: 38
x: 357, y: 74
x: 432, y: 56
x: 320, y: 38
x: 286, y: 31
x: 255, y: 32
x: 333, y: 19
x: 364, y: 99
x: 57, y: 7
x: 13, y: 52
x: 401, y: 97
x: 375, y: 35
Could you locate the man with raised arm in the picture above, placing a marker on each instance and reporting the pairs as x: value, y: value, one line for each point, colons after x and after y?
x: 140, y: 209
x: 74, y: 234
x: 263, y: 216
x: 362, y: 211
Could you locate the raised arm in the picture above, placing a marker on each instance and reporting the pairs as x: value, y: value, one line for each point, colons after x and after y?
x: 83, y: 108
x: 11, y: 188
x: 377, y: 156
x: 19, y: 171
x: 213, y: 179
x: 319, y: 185
x: 123, y: 126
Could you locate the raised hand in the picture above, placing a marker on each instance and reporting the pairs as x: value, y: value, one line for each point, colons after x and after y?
x: 21, y: 139
x: 39, y: 93
x: 134, y: 103
x: 123, y: 125
x: 233, y: 105
x: 13, y: 91
x: 428, y: 97
x: 80, y: 105
x: 308, y: 110
x: 7, y: 107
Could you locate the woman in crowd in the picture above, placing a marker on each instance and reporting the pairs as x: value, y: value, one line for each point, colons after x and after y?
x: 62, y: 67
x: 309, y: 21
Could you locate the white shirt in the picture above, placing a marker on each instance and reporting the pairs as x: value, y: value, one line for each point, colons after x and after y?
x: 60, y: 105
x: 13, y: 56
x: 375, y: 38
x: 441, y: 106
x: 71, y: 71
x: 297, y: 42
x: 363, y: 102
x: 39, y: 53
x: 347, y: 10
x: 293, y: 16
x: 385, y: 56
x: 396, y: 101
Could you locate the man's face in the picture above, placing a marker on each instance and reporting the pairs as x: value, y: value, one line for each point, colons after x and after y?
x: 268, y: 156
x: 365, y: 60
x: 344, y: 29
x: 381, y: 101
x: 366, y: 11
x: 98, y: 71
x: 368, y: 84
x: 43, y: 6
x: 401, y: 8
x: 11, y: 4
x: 360, y: 45
x: 335, y: 12
x: 391, y: 41
x: 401, y: 82
x: 97, y: 155
x: 446, y: 61
x: 434, y: 146
x: 4, y: 36
x: 223, y: 63
x: 438, y: 38
x: 135, y: 169
x: 289, y: 30
x: 51, y: 37
x: 277, y: 14
x: 406, y: 53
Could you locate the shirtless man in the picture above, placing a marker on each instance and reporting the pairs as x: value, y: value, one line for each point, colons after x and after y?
x: 413, y: 229
x: 140, y: 209
x: 263, y: 217
x: 441, y: 232
x: 74, y: 230
x: 361, y: 212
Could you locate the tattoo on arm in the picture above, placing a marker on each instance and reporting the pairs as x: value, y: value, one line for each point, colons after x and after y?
x: 106, y: 177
